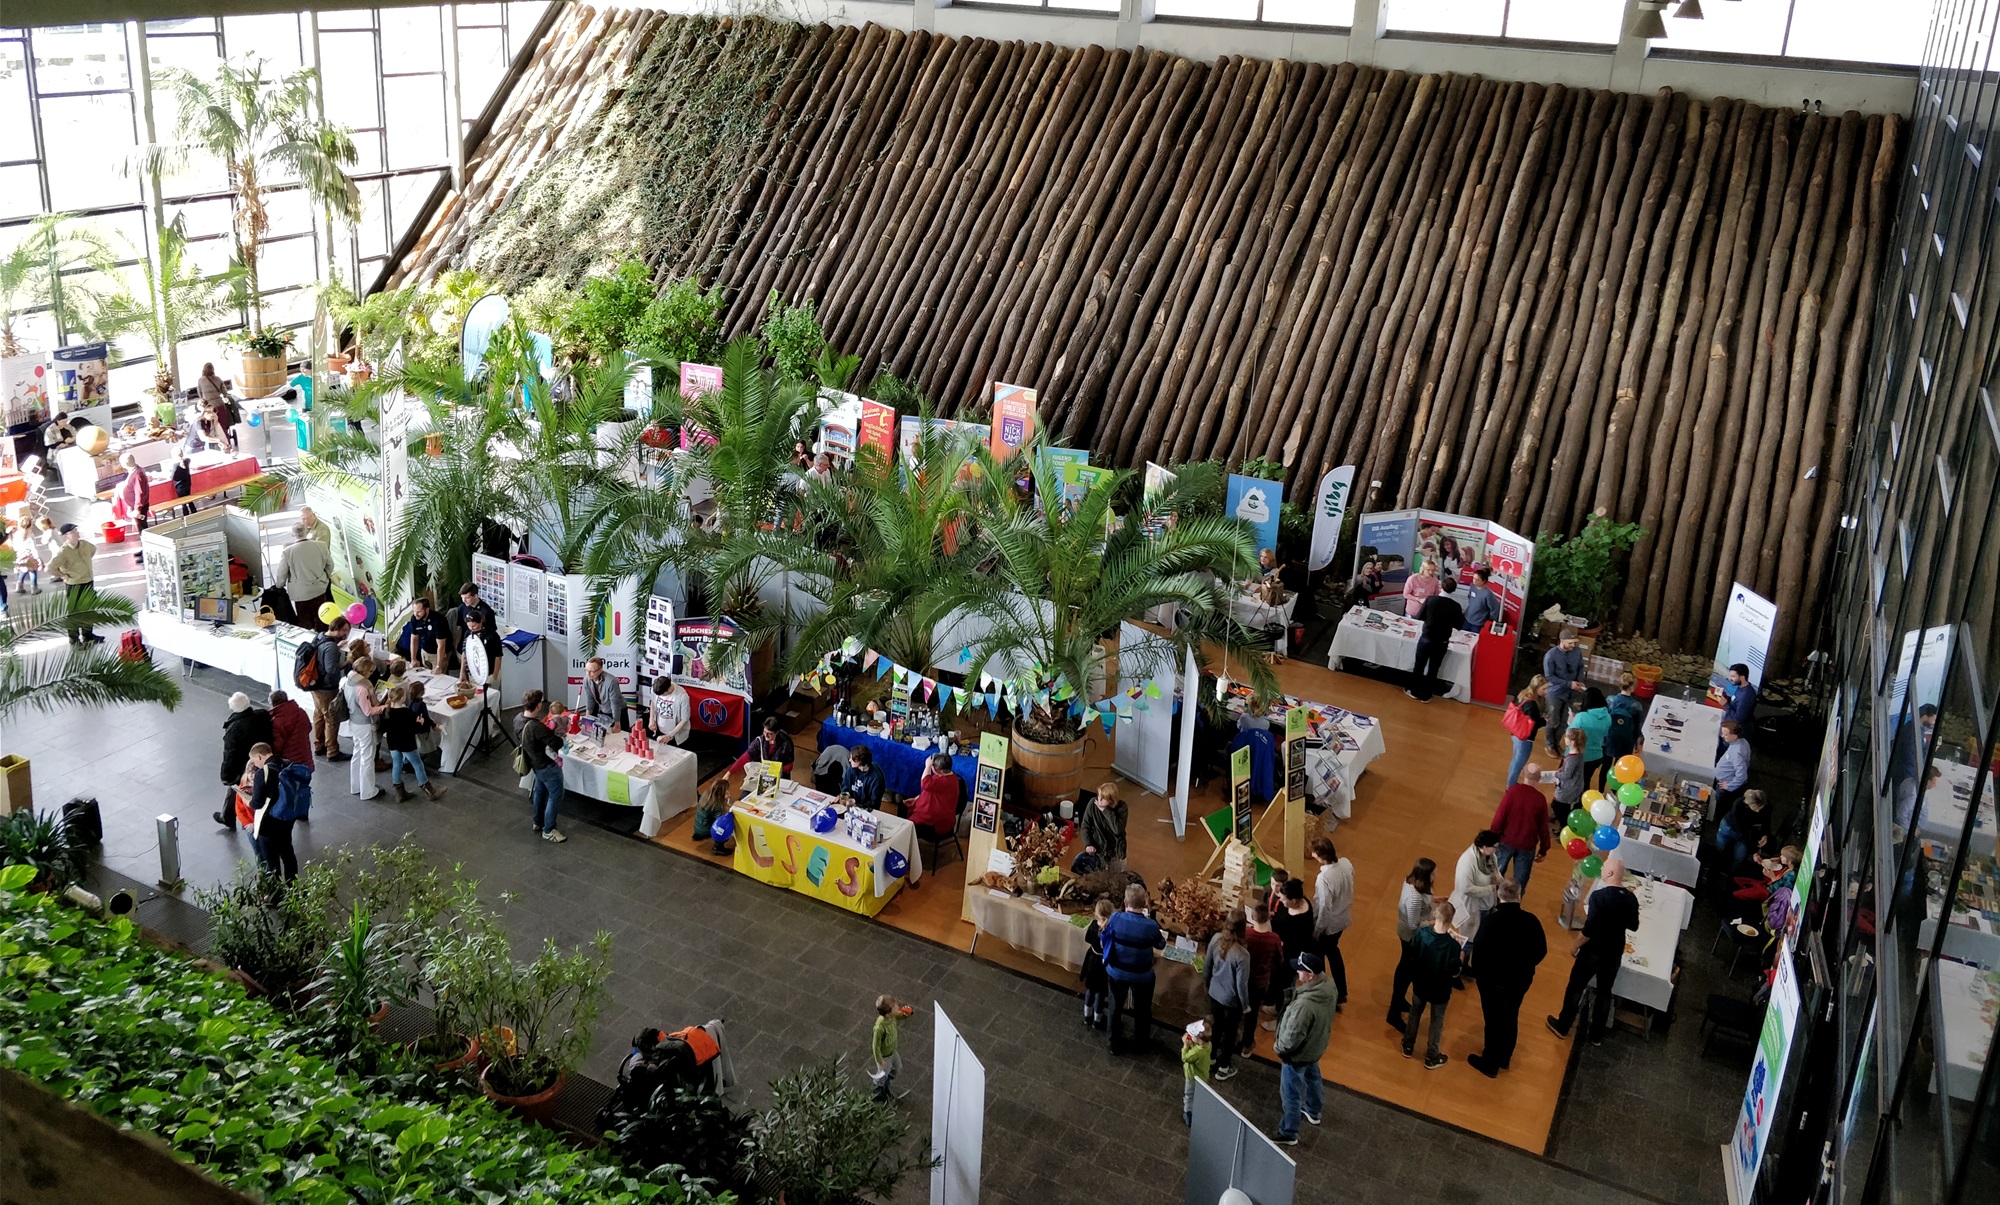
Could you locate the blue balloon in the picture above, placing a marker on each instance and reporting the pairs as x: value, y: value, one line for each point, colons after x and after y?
x: 254, y: 419
x: 824, y: 820
x: 722, y: 828
x: 1605, y: 838
x: 895, y: 864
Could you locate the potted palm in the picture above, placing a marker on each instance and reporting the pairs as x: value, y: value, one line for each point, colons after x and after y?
x: 175, y: 299
x: 360, y: 978
x: 261, y: 128
x: 379, y: 320
x: 550, y: 1005
x: 1064, y: 571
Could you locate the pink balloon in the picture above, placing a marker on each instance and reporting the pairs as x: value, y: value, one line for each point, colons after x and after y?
x: 357, y: 613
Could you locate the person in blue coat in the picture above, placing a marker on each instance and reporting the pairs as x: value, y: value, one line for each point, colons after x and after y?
x: 1129, y: 940
x: 1741, y: 705
x: 1563, y: 667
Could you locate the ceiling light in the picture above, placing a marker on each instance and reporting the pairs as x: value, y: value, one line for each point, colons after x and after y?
x: 1646, y: 22
x: 1690, y: 10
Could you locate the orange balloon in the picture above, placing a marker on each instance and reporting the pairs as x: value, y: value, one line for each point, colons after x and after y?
x: 1631, y: 768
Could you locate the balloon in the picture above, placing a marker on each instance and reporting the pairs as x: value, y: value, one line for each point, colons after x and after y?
x: 1606, y: 839
x: 1631, y: 767
x: 824, y: 820
x: 1581, y: 822
x: 328, y: 612
x: 895, y: 864
x: 722, y: 828
x: 1631, y: 794
x: 1592, y: 866
x: 1591, y: 797
x: 1576, y: 848
x: 356, y: 613
x: 1604, y: 812
x: 370, y: 611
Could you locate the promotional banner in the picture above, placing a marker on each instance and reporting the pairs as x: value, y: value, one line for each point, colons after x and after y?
x: 1767, y: 1073
x: 878, y: 428
x: 527, y: 610
x: 1920, y: 668
x: 1255, y: 501
x: 615, y: 637
x: 24, y: 384
x: 1145, y: 747
x: 720, y: 700
x: 1390, y: 539
x: 958, y: 1114
x: 1297, y: 728
x: 486, y: 316
x: 1013, y: 419
x: 656, y: 656
x: 1746, y: 639
x: 1510, y: 561
x: 1239, y: 791
x: 639, y: 389
x: 1452, y: 543
x: 1333, y: 492
x: 697, y: 379
x: 909, y: 429
x: 806, y: 863
x: 1077, y: 482
x: 82, y: 376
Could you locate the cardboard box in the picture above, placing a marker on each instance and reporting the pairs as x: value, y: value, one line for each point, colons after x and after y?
x: 17, y: 791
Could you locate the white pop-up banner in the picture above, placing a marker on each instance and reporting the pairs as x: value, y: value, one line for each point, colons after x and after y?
x: 1746, y: 636
x: 958, y: 1115
x: 1331, y: 509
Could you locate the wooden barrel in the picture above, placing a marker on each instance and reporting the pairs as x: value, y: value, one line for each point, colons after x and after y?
x: 261, y: 376
x: 1049, y: 773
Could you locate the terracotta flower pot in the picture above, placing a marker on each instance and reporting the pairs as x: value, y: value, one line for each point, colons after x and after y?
x: 471, y: 1057
x: 538, y: 1108
x: 376, y: 1018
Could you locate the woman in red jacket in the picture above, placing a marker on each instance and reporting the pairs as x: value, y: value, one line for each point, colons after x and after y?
x: 935, y: 809
x: 291, y: 730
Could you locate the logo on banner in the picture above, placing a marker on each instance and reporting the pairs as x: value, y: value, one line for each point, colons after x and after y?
x: 712, y: 713
x: 1013, y: 431
x: 1333, y: 491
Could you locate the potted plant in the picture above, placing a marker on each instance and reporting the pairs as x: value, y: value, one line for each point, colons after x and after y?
x: 688, y: 1129
x: 824, y: 1141
x: 43, y: 840
x: 467, y: 970
x: 379, y: 320
x: 1582, y: 574
x: 550, y: 1004
x: 262, y: 356
x: 361, y: 976
x: 273, y: 932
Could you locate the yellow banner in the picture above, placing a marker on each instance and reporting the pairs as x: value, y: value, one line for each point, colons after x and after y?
x: 785, y: 857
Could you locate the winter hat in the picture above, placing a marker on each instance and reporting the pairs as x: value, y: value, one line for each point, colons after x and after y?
x: 239, y: 702
x: 1310, y: 963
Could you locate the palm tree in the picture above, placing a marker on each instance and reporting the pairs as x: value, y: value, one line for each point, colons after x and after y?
x: 51, y: 678
x: 1061, y: 574
x: 31, y: 273
x: 175, y: 301
x: 263, y: 128
x: 562, y: 469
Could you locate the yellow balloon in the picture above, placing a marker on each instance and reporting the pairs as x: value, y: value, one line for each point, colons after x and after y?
x: 328, y: 612
x: 1631, y: 768
x: 1590, y: 797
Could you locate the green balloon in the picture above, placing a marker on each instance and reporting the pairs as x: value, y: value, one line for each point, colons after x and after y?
x: 1631, y: 794
x: 1581, y: 824
x: 1592, y: 866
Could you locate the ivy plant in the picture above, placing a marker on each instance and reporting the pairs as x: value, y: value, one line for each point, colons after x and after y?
x: 1581, y: 573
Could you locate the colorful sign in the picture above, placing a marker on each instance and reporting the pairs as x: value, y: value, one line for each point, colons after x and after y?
x: 1013, y: 419
x: 878, y: 428
x: 1255, y: 501
x: 1334, y: 489
x: 1745, y: 640
x: 82, y: 375
x: 639, y: 388
x: 1752, y: 1133
x: 1078, y: 480
x: 1510, y: 562
x: 1239, y: 791
x: 809, y: 864
x: 697, y: 379
x: 993, y: 749
x: 718, y: 699
x: 1295, y: 753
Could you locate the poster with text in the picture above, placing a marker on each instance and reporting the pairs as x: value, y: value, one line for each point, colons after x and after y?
x: 1752, y: 1132
x: 878, y: 428
x: 1510, y: 561
x: 489, y: 573
x: 1451, y: 543
x: 1745, y: 640
x: 656, y: 658
x: 1239, y: 792
x: 1153, y: 497
x: 527, y: 611
x: 697, y: 653
x: 1255, y: 501
x: 83, y: 376
x: 697, y: 379
x: 1013, y: 419
x: 1389, y: 538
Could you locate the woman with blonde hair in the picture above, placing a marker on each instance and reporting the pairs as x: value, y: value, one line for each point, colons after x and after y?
x: 362, y: 708
x: 1527, y: 704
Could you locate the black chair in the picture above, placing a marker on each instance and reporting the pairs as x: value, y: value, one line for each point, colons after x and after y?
x: 1728, y: 1015
x: 938, y: 840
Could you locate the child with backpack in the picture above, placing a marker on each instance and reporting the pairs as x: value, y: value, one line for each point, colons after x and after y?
x: 271, y: 820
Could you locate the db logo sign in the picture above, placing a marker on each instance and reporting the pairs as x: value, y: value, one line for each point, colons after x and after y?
x: 712, y: 713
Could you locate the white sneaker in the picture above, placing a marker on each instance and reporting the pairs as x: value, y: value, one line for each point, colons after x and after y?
x: 1222, y: 1073
x: 554, y: 837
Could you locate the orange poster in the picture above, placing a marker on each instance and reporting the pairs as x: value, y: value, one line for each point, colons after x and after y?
x: 878, y: 428
x: 1013, y: 419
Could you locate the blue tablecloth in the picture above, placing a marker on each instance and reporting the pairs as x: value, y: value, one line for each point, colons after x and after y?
x: 902, y: 765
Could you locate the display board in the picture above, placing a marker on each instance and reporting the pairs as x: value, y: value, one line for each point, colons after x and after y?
x: 1239, y: 793
x: 1013, y: 419
x: 719, y: 699
x: 878, y: 428
x: 656, y: 651
x: 908, y: 430
x: 182, y: 565
x: 489, y: 573
x: 1920, y: 670
x: 1328, y: 514
x: 82, y: 376
x: 1226, y: 1152
x: 1747, y: 627
x: 994, y: 752
x: 1297, y: 726
x: 526, y: 607
x: 1255, y: 501
x: 1143, y: 751
x: 352, y: 512
x: 958, y: 1114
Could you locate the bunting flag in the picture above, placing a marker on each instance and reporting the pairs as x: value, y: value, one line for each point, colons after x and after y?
x: 868, y: 662
x: 985, y: 681
x: 965, y: 656
x: 1109, y: 720
x: 993, y: 705
x: 1153, y: 690
x: 850, y: 646
x: 882, y: 667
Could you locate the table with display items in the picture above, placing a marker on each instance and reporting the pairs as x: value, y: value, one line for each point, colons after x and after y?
x: 1646, y: 974
x: 1340, y: 744
x: 1030, y: 925
x: 1679, y: 737
x: 1663, y: 849
x: 241, y: 649
x: 454, y: 726
x: 1946, y: 803
x: 1390, y: 640
x: 902, y: 765
x: 776, y: 844
x: 661, y: 787
x: 1259, y: 616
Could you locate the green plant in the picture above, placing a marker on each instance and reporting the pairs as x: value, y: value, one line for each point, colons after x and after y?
x: 173, y: 302
x: 609, y: 309
x: 834, y: 369
x: 31, y: 274
x: 551, y: 1004
x: 38, y: 674
x: 261, y: 129
x: 146, y: 1040
x: 792, y: 338
x: 43, y: 840
x: 1260, y: 467
x: 1582, y: 573
x: 683, y: 323
x: 437, y: 316
x: 274, y: 932
x: 824, y: 1141
x: 361, y: 973
x: 687, y: 1127
x: 379, y: 320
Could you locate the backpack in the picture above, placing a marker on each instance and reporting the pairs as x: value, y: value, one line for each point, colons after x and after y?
x: 305, y: 666
x: 1517, y: 722
x: 294, y: 793
x: 132, y: 647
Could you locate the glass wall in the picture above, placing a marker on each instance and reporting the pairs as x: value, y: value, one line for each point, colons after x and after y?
x: 1860, y: 31
x: 1916, y: 646
x: 74, y: 117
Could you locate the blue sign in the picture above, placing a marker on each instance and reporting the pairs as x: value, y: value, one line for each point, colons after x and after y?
x: 1255, y: 501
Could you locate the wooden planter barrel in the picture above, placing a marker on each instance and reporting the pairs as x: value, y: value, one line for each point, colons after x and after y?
x: 1049, y: 773
x: 260, y: 376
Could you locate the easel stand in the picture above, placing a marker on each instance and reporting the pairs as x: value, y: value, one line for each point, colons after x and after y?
x: 483, y: 732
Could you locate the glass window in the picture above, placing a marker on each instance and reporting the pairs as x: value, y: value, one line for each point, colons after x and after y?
x: 1736, y: 27
x: 86, y: 140
x: 201, y: 219
x: 347, y: 70
x: 482, y: 62
x: 17, y: 132
x: 273, y: 37
x: 20, y: 191
x: 1858, y: 31
x: 1214, y: 10
x: 1333, y: 14
x: 370, y: 232
x: 350, y: 18
x: 406, y: 195
x: 367, y: 152
x: 1479, y: 18
x: 287, y: 262
x: 1592, y: 21
x: 80, y: 58
x: 416, y: 135
x: 522, y: 16
x: 411, y: 40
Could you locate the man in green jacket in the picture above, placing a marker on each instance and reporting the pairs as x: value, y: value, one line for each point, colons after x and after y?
x: 1303, y: 1030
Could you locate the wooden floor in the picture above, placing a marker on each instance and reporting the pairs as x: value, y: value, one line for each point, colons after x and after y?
x: 1435, y: 787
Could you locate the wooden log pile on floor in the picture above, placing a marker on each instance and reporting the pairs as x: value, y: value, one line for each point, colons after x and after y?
x: 1511, y: 300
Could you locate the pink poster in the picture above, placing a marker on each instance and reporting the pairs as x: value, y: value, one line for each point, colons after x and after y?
x: 697, y: 379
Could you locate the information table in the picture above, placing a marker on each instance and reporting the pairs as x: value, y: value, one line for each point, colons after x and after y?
x: 902, y: 765
x: 1257, y: 615
x: 775, y: 844
x: 1945, y: 805
x: 1340, y: 744
x: 1024, y: 924
x: 1679, y: 737
x: 661, y: 789
x: 1969, y: 1001
x: 240, y: 649
x: 455, y: 725
x: 1660, y: 850
x: 1381, y: 638
x: 1647, y: 974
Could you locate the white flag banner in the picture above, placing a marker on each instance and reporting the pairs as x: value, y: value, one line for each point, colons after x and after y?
x: 1333, y: 491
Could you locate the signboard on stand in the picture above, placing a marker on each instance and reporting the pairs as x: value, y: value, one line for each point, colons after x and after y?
x: 526, y: 609
x: 82, y: 376
x: 1334, y: 489
x: 719, y: 699
x: 1255, y: 501
x: 489, y: 573
x: 656, y: 654
x: 1296, y: 727
x: 1239, y: 793
x: 1746, y: 639
x: 986, y: 794
x: 878, y: 428
x: 1013, y: 419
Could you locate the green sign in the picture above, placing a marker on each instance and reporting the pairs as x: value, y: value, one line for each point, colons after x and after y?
x: 1295, y: 755
x: 1239, y: 787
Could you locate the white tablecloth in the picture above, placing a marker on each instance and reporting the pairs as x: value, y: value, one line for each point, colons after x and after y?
x: 1679, y: 737
x: 248, y: 652
x: 1674, y: 858
x: 1255, y: 614
x: 661, y: 797
x: 1388, y: 640
x: 1647, y: 975
x: 1945, y: 805
x: 1968, y: 997
x: 1339, y: 749
x: 454, y: 726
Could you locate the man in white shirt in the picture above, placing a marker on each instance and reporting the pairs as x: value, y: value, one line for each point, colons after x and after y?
x: 672, y: 714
